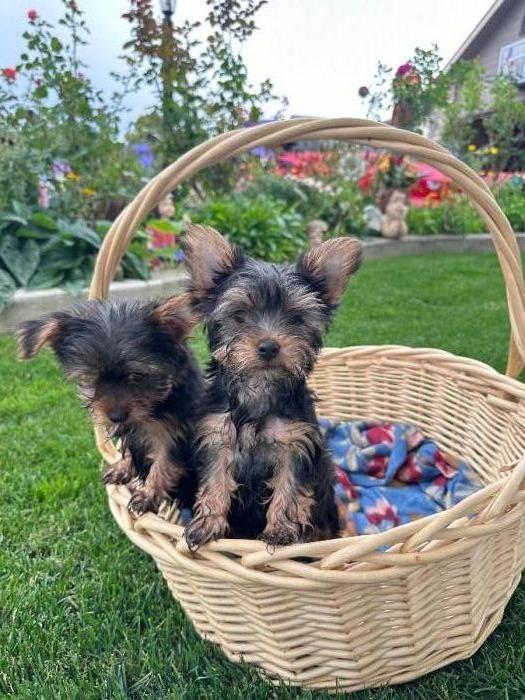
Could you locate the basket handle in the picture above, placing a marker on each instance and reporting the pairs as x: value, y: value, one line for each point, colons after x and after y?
x: 358, y: 131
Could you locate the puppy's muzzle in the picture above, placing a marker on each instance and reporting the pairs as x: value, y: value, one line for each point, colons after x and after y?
x: 268, y: 349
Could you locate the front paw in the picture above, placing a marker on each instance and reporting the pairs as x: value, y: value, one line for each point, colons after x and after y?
x: 205, y: 529
x: 117, y: 473
x: 281, y: 535
x: 143, y: 501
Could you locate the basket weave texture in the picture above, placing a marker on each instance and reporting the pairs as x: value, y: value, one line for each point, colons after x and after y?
x: 379, y: 609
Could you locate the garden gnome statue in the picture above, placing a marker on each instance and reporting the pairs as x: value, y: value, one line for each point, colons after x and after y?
x: 393, y: 223
x: 167, y: 208
x: 316, y: 229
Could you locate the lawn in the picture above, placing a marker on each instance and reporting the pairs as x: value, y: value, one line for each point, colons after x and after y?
x: 86, y: 615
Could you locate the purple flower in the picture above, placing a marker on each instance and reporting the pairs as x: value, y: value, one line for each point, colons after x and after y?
x: 60, y: 169
x: 179, y: 255
x: 403, y: 69
x: 145, y: 155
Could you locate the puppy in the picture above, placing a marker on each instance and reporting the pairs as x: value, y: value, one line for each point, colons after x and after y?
x: 263, y: 467
x: 138, y: 378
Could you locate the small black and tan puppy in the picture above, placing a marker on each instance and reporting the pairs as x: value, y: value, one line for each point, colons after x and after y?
x: 138, y: 378
x: 263, y: 467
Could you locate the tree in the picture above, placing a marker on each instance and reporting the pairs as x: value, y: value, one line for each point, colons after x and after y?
x: 202, y: 88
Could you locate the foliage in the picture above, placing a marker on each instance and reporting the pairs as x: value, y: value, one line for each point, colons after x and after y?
x: 505, y: 125
x: 202, y: 88
x: 265, y: 227
x: 457, y: 130
x: 38, y: 251
x: 511, y: 198
x: 453, y: 216
x: 412, y: 92
x: 456, y: 215
x: 494, y: 141
x: 51, y: 114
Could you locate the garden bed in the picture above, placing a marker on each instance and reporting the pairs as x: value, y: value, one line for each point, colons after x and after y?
x: 28, y: 304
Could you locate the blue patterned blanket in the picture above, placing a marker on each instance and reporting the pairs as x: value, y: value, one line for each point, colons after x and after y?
x: 389, y: 474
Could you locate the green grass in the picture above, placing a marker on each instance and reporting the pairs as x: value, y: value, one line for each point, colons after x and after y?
x: 84, y: 614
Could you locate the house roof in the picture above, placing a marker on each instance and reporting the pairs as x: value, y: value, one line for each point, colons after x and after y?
x: 484, y: 25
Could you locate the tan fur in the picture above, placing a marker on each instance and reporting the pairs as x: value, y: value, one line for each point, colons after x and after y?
x: 214, y: 497
x: 207, y: 253
x: 290, y: 507
x: 120, y: 472
x: 242, y: 354
x: 333, y: 262
x: 47, y: 335
x: 176, y: 314
x: 164, y: 473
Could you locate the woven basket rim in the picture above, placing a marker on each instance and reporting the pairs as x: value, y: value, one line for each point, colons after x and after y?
x: 493, y: 505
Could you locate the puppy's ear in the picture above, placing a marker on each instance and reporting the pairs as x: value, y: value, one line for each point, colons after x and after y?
x: 330, y: 264
x: 34, y: 335
x: 209, y: 257
x: 176, y: 316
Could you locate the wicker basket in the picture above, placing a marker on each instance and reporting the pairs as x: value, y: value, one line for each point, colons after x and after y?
x: 346, y: 613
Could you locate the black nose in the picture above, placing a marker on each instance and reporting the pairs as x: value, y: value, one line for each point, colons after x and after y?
x: 268, y: 349
x: 117, y: 415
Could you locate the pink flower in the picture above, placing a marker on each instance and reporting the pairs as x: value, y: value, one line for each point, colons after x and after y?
x: 403, y: 69
x: 43, y: 194
x: 9, y: 73
x: 32, y: 15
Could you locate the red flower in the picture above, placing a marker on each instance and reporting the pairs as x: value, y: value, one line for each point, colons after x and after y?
x: 32, y: 15
x: 9, y: 73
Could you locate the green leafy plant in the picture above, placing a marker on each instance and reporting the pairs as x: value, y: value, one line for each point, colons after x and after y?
x: 202, y: 87
x: 54, y: 123
x: 266, y: 228
x: 38, y: 251
x: 453, y: 216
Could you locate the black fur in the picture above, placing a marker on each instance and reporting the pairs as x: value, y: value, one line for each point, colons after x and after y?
x: 249, y: 301
x: 124, y: 357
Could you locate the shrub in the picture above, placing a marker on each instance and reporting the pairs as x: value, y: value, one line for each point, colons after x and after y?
x: 453, y: 216
x: 38, y: 251
x: 265, y: 227
x: 511, y: 199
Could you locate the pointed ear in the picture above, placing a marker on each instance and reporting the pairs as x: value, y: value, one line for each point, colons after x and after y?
x: 209, y: 256
x: 34, y: 335
x: 176, y: 315
x: 330, y: 264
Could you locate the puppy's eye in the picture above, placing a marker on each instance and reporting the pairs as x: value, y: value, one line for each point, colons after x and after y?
x: 297, y: 319
x: 240, y: 317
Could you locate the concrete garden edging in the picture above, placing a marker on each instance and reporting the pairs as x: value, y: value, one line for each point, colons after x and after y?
x: 27, y: 304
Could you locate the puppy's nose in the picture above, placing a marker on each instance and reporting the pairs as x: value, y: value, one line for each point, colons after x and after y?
x: 117, y: 415
x: 268, y: 349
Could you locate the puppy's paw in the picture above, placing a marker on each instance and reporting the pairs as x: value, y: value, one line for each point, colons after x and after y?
x: 118, y: 473
x: 205, y: 529
x: 143, y: 501
x: 282, y: 535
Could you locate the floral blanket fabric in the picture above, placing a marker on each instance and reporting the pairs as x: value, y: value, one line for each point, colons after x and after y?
x: 389, y: 474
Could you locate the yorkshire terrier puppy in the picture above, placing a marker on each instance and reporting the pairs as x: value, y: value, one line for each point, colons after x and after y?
x: 138, y: 378
x: 263, y: 467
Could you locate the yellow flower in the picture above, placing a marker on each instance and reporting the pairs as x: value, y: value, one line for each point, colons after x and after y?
x: 72, y: 176
x: 383, y: 163
x: 471, y: 147
x: 494, y: 150
x: 88, y: 192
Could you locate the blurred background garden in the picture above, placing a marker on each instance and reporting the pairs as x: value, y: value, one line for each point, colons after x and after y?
x: 72, y: 156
